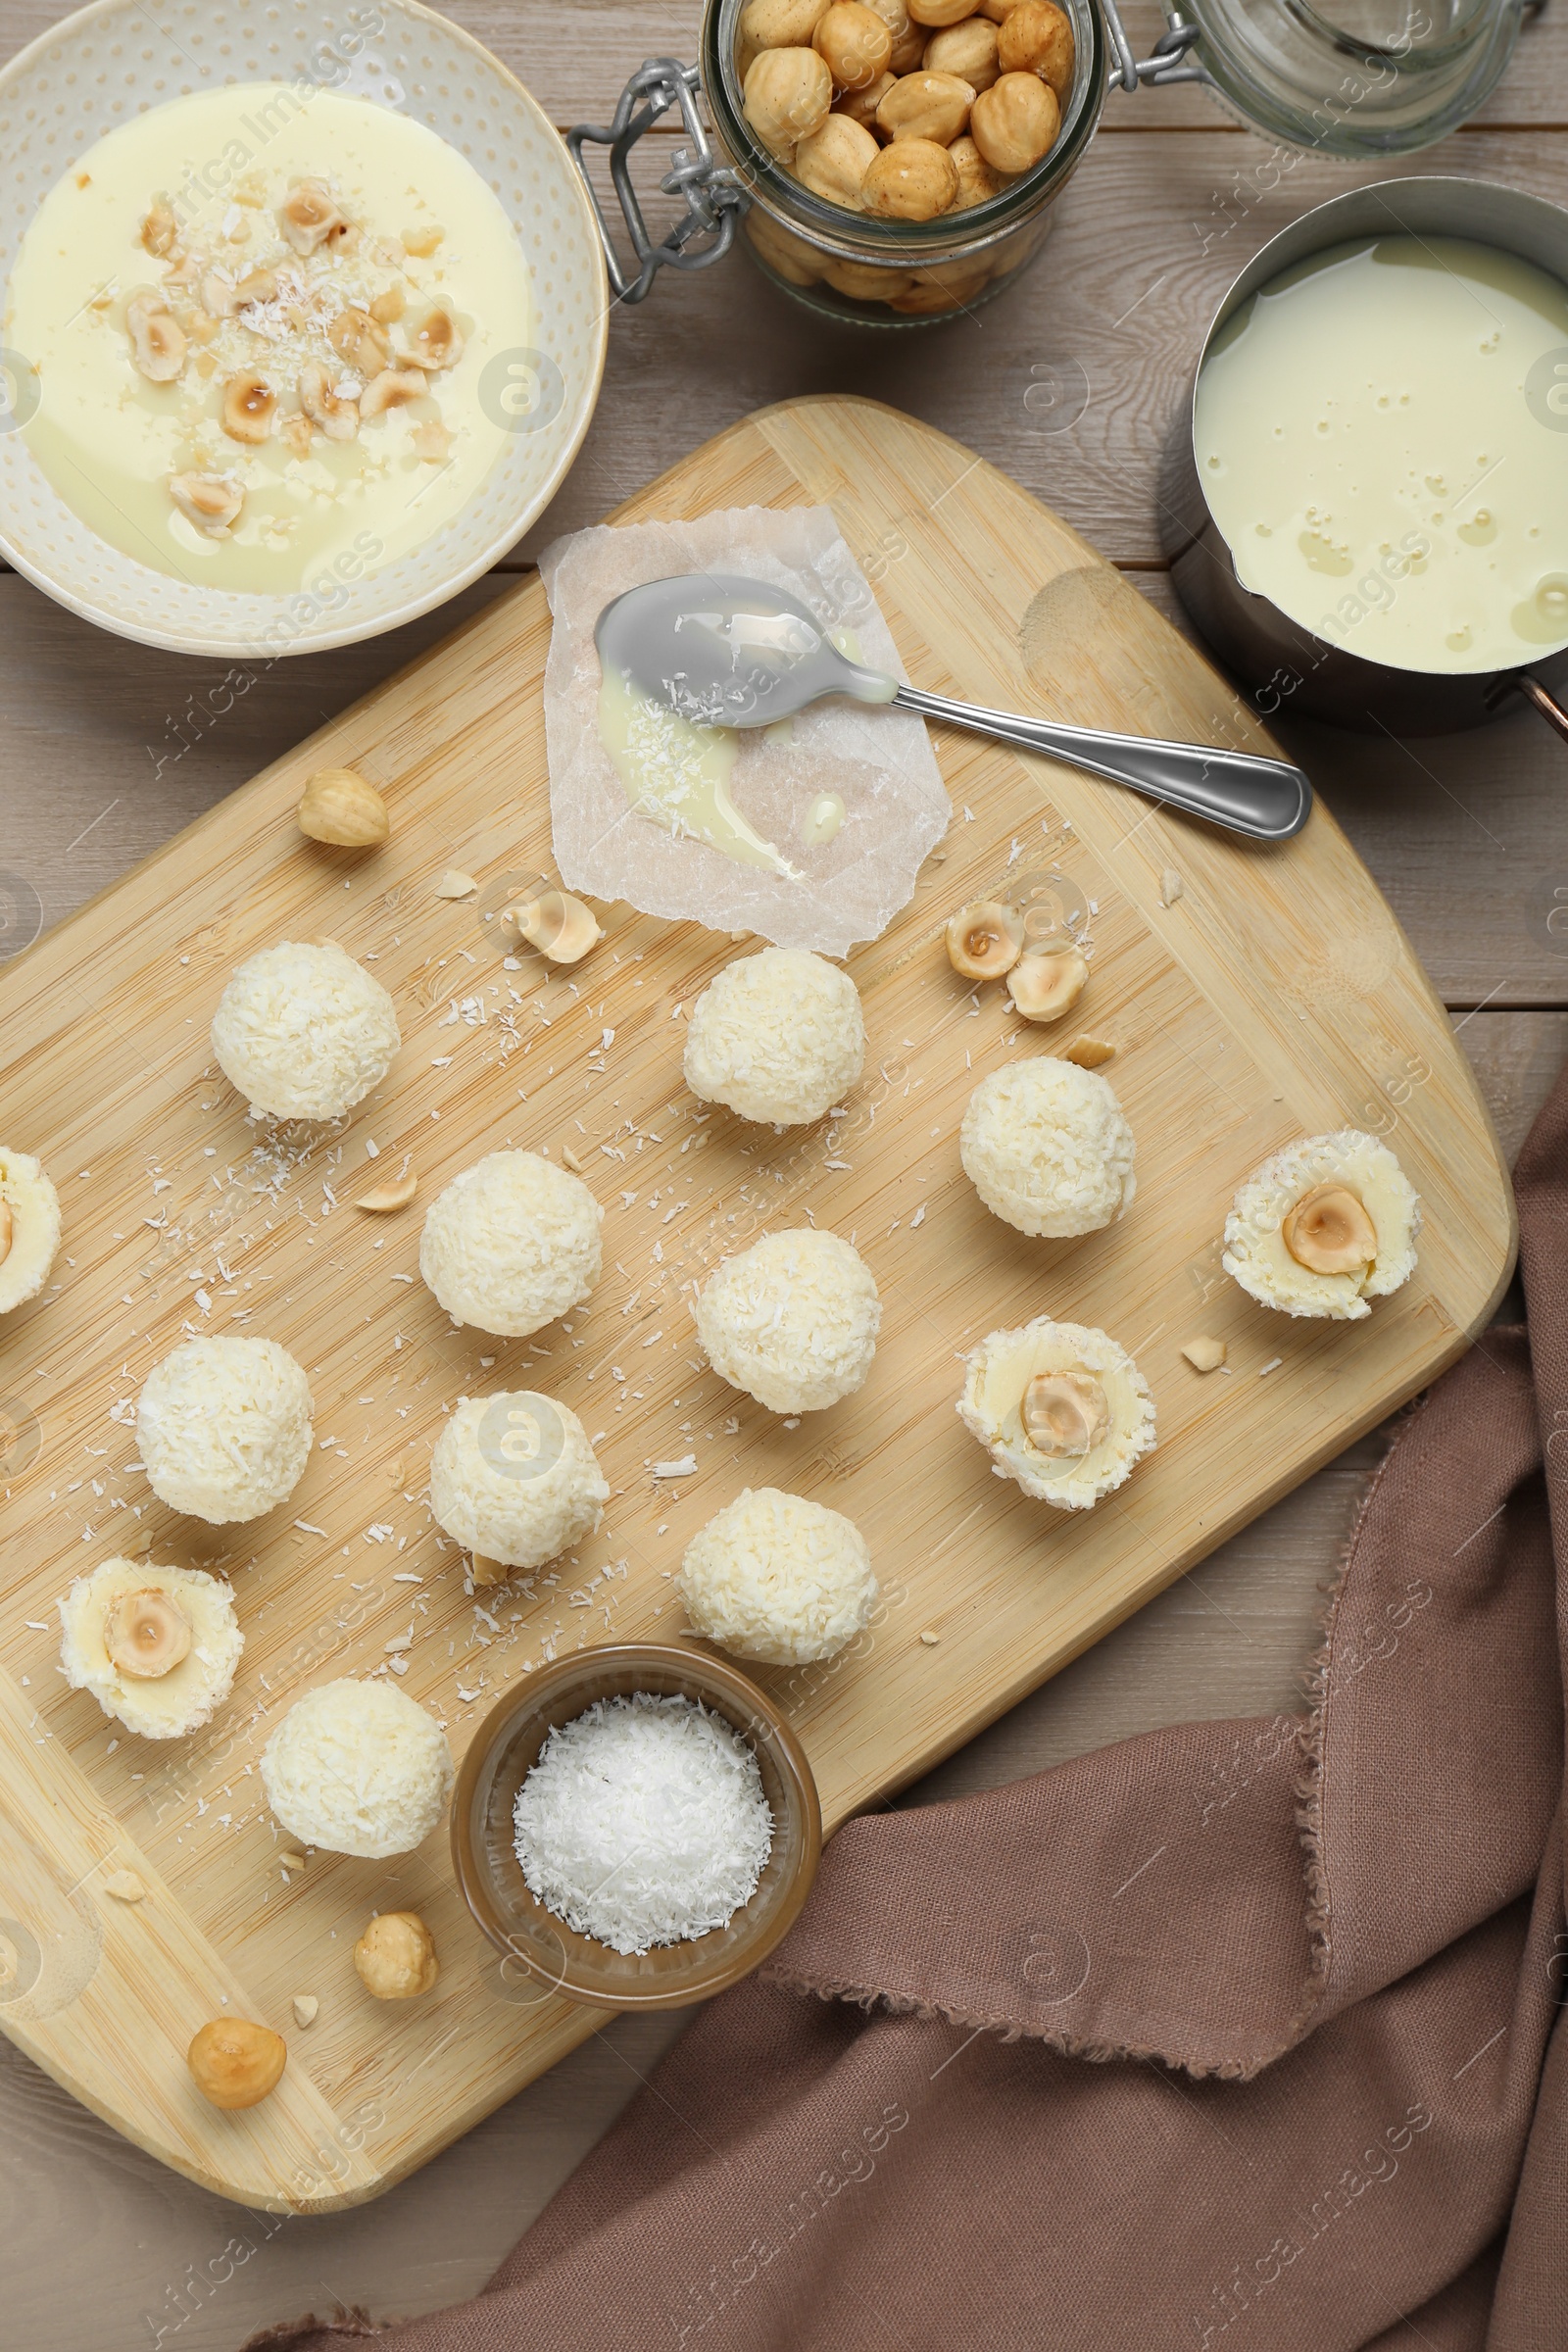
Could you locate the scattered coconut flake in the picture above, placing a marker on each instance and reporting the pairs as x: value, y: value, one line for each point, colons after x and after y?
x: 1170, y: 887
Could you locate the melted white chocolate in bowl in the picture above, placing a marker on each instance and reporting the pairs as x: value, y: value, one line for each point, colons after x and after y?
x: 1381, y: 436
x: 426, y: 232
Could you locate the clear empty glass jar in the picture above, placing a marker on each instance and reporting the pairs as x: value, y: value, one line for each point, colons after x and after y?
x: 1353, y: 78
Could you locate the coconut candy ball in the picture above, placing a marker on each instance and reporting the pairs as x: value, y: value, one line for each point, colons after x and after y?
x: 357, y: 1768
x: 777, y: 1037
x: 511, y: 1243
x: 792, y: 1320
x: 29, y: 1227
x: 1060, y: 1409
x: 225, y: 1428
x: 1323, y: 1226
x: 775, y: 1577
x: 158, y: 1648
x: 1047, y: 1148
x: 514, y: 1478
x: 304, y: 1032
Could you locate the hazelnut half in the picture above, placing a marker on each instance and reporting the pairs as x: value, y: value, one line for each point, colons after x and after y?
x: 985, y: 939
x: 159, y: 228
x: 437, y: 342
x: 147, y: 1633
x: 395, y: 1956
x: 558, y: 925
x: 156, y: 338
x: 360, y: 340
x: 1329, y: 1231
x: 236, y: 2063
x: 208, y: 500
x: 308, y: 214
x: 1045, y: 987
x: 1065, y: 1414
x: 249, y: 405
x: 390, y: 389
x: 338, y: 417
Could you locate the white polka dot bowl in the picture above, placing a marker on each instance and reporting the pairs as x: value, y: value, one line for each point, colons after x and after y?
x: 116, y: 59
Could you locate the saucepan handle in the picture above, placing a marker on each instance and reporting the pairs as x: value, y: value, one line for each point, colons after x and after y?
x: 1551, y: 711
x: 714, y: 197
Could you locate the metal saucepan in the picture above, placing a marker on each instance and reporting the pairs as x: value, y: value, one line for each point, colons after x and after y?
x: 1281, y: 665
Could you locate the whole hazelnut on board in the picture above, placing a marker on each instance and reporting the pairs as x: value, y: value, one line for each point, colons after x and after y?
x: 338, y: 805
x: 1015, y: 124
x: 935, y: 14
x: 235, y: 2063
x: 395, y: 1956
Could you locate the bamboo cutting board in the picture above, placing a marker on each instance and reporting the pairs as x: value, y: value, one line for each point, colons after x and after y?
x: 1274, y: 997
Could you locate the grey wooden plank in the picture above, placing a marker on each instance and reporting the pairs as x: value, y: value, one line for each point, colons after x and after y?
x: 574, y: 56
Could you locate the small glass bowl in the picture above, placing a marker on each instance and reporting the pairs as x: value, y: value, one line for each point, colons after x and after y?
x: 504, y: 1751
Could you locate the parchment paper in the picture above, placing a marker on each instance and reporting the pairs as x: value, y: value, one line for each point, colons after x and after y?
x: 878, y: 762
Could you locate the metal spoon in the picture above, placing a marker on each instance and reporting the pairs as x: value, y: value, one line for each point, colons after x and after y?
x: 733, y: 653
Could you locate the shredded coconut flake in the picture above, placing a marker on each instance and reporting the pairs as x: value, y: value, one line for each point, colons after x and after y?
x: 644, y: 1822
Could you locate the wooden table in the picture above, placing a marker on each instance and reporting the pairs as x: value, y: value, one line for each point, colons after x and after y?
x: 1070, y: 383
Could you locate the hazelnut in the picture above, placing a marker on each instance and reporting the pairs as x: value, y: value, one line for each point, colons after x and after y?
x: 1015, y: 124
x: 1089, y: 1052
x: 861, y: 105
x: 360, y: 340
x: 780, y: 23
x: 968, y: 50
x: 938, y: 13
x: 249, y: 405
x: 388, y: 305
x: 395, y: 1956
x: 308, y: 214
x: 1035, y: 38
x: 796, y: 262
x: 208, y: 500
x: 865, y: 281
x: 1329, y: 1231
x: 159, y: 228
x: 834, y: 160
x: 977, y: 182
x: 147, y: 1633
x: 157, y: 339
x: 925, y: 106
x: 854, y: 44
x: 984, y: 939
x: 946, y: 286
x: 437, y: 343
x: 1042, y: 987
x: 391, y: 389
x: 1205, y: 1355
x: 787, y: 96
x: 382, y: 1199
x: 337, y: 417
x: 235, y: 2063
x: 558, y: 925
x: 913, y: 179
x: 1065, y: 1414
x: 340, y: 806
x: 257, y: 286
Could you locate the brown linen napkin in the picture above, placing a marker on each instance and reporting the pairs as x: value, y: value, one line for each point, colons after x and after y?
x: 1319, y: 1961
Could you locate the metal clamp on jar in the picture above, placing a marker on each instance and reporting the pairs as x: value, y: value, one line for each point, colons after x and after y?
x: 855, y: 231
